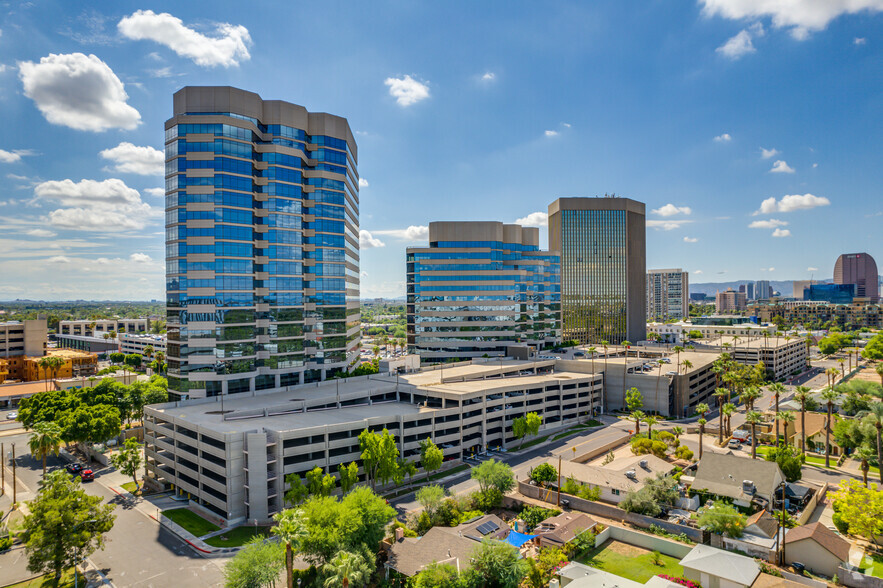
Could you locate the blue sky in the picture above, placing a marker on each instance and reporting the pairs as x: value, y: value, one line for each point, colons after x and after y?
x: 751, y: 127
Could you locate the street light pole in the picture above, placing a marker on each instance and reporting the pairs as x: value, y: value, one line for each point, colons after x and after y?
x: 77, y: 526
x: 14, y: 488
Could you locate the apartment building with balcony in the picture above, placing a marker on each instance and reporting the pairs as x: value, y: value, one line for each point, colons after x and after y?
x: 668, y: 295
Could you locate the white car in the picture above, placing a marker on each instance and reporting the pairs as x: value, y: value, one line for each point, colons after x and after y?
x: 11, y: 416
x: 734, y: 444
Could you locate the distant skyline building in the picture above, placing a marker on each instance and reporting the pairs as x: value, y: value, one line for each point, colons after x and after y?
x: 833, y: 293
x: 749, y: 290
x: 603, y: 268
x: 667, y: 295
x: 763, y: 290
x: 730, y: 301
x: 859, y: 269
x: 799, y: 286
x: 480, y: 287
x: 262, y: 243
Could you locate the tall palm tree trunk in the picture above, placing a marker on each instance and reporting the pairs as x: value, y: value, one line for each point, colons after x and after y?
x: 289, y: 565
x: 777, y: 419
x: 803, y: 428
x: 879, y: 427
x: 828, y: 437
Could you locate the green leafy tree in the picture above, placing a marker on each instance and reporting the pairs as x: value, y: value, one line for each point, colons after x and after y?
x: 349, y: 476
x: 297, y: 491
x: 291, y: 530
x: 634, y: 400
x: 438, y: 575
x: 527, y: 425
x: 874, y: 349
x: 347, y: 569
x: 92, y: 424
x: 49, y: 406
x: 788, y: 459
x: 256, y: 565
x: 431, y: 457
x: 496, y: 564
x: 875, y: 415
x: 380, y: 456
x: 133, y: 360
x: 861, y: 507
x: 493, y: 474
x: 722, y: 519
x: 431, y: 498
x: 543, y: 473
x: 64, y: 526
x: 128, y: 460
x: 319, y: 483
x: 534, y: 515
x: 46, y: 439
x: 117, y: 357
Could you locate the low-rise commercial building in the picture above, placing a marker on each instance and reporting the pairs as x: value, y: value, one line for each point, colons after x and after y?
x: 230, y: 454
x: 98, y: 327
x: 77, y: 364
x: 678, y: 333
x: 130, y: 343
x: 88, y: 343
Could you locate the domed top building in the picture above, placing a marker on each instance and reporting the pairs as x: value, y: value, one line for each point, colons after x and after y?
x: 859, y: 269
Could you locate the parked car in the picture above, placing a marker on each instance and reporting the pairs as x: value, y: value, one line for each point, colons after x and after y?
x: 87, y: 475
x: 11, y: 416
x: 579, y: 354
x: 74, y: 468
x: 734, y: 444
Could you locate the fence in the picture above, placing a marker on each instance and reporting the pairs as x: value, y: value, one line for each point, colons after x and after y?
x: 856, y: 579
x: 609, y: 512
x: 590, y: 455
x: 817, y: 497
x: 648, y: 542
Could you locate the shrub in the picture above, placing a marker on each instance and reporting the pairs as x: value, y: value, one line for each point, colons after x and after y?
x: 840, y: 524
x: 592, y: 493
x: 534, y: 515
x: 5, y: 543
x: 643, y: 446
x: 681, y: 581
x: 543, y: 473
x: 487, y: 500
x: 684, y: 452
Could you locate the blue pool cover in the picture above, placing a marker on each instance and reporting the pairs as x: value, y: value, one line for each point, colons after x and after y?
x: 518, y: 539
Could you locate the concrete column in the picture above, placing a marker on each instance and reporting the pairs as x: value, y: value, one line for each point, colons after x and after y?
x: 257, y: 476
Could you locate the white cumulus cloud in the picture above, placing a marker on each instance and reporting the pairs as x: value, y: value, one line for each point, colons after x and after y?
x: 228, y: 47
x: 78, y: 91
x: 781, y: 167
x: 781, y: 233
x: 792, y: 202
x: 698, y: 272
x: 368, y: 241
x: 738, y: 45
x: 90, y: 205
x: 551, y: 133
x: 812, y: 269
x: 132, y: 159
x: 860, y: 40
x: 534, y: 219
x: 140, y: 258
x: 412, y: 233
x: 768, y: 224
x: 158, y: 192
x: 363, y: 183
x: 43, y: 233
x: 407, y: 90
x: 768, y: 153
x: 801, y: 16
x: 14, y: 156
x: 691, y: 240
x: 672, y: 210
x: 667, y: 225
x: 488, y: 76
x: 725, y: 137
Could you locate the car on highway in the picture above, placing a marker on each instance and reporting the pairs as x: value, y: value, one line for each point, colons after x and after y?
x: 74, y: 468
x: 87, y: 475
x: 11, y: 416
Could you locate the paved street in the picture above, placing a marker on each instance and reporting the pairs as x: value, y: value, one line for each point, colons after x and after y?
x: 138, y: 552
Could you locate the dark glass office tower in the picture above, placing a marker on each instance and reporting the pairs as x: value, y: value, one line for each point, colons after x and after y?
x: 262, y: 243
x: 603, y: 268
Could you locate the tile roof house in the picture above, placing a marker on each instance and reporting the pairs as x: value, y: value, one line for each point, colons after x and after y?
x: 561, y: 529
x: 716, y: 568
x: 615, y: 479
x: 762, y: 524
x: 453, y: 545
x: 817, y: 547
x: 725, y: 474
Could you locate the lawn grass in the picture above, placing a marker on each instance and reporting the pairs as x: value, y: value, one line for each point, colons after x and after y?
x: 872, y: 565
x: 630, y: 562
x: 446, y: 473
x: 820, y: 461
x: 130, y: 487
x: 190, y: 521
x: 47, y: 581
x: 237, y: 536
x: 531, y: 443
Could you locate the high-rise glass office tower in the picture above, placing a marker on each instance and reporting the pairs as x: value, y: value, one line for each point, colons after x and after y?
x: 859, y: 269
x: 480, y: 287
x: 763, y: 289
x: 603, y: 268
x: 262, y: 243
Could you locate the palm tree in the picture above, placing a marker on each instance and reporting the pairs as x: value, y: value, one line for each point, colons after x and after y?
x: 750, y: 394
x: 829, y: 396
x: 346, y: 568
x: 879, y: 369
x: 291, y: 531
x: 728, y: 410
x: 777, y: 389
x: 677, y: 432
x: 651, y: 420
x: 638, y: 416
x: 832, y: 376
x: 802, y: 395
x: 865, y: 454
x: 753, y: 418
x: 592, y: 351
x: 687, y: 365
x: 721, y: 394
x: 160, y: 361
x: 786, y: 416
x: 701, y: 409
x: 735, y: 343
x: 46, y: 439
x: 677, y: 349
x: 625, y: 365
x: 876, y: 413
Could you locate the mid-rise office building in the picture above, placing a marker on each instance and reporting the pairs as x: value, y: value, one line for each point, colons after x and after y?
x: 100, y: 327
x: 480, y: 287
x: 859, y: 269
x: 730, y: 301
x: 749, y: 290
x: 667, y: 291
x: 833, y: 293
x: 763, y: 290
x: 603, y: 268
x: 18, y: 338
x: 799, y: 286
x: 262, y: 243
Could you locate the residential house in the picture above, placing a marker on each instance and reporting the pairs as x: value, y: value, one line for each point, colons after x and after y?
x: 725, y: 474
x: 451, y: 545
x: 577, y: 575
x: 816, y: 423
x: 758, y: 538
x: 817, y: 547
x: 617, y: 478
x: 716, y: 568
x: 559, y: 530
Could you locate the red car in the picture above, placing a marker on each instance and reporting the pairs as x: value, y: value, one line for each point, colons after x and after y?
x: 87, y: 475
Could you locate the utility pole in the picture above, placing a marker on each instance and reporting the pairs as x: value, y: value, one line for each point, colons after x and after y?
x: 559, y: 480
x: 782, y: 525
x: 14, y: 494
x: 3, y: 470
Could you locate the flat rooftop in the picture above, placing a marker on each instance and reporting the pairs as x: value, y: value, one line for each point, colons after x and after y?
x: 474, y: 371
x: 771, y: 342
x: 471, y: 386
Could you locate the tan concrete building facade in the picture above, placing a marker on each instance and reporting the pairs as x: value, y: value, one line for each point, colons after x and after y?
x: 730, y: 301
x: 603, y: 268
